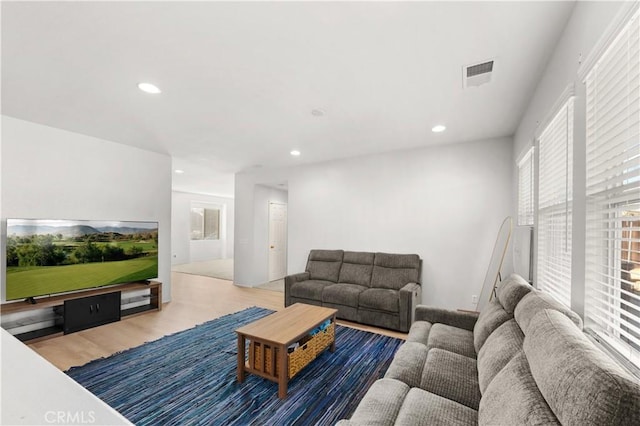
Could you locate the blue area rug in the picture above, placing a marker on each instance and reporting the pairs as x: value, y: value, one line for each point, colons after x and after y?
x: 189, y: 378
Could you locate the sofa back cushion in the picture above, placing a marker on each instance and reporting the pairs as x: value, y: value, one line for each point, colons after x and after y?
x: 512, y: 398
x: 324, y: 265
x: 511, y: 291
x: 356, y: 268
x: 537, y: 301
x: 394, y: 271
x: 580, y: 383
x: 492, y: 316
x: 501, y: 345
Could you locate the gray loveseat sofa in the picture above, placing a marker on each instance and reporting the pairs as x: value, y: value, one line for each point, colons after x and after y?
x: 524, y: 360
x: 379, y: 289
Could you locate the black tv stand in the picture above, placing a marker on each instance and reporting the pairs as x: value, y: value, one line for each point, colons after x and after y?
x: 30, y: 300
x: 92, y: 311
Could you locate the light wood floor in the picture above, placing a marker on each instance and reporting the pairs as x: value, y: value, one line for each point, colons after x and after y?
x: 195, y: 299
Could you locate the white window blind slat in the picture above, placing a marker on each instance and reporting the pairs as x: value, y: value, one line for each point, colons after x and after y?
x: 622, y: 173
x: 625, y: 183
x: 612, y: 269
x: 615, y: 156
x: 604, y: 316
x: 525, y: 189
x: 555, y: 205
x: 604, y: 288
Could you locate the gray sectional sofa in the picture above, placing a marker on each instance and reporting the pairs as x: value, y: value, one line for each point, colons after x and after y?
x: 379, y: 289
x: 523, y: 360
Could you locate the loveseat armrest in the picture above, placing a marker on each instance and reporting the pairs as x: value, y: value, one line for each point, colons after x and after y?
x: 410, y: 295
x: 459, y: 319
x: 288, y: 282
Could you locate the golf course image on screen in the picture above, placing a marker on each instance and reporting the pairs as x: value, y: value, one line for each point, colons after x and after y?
x: 54, y: 256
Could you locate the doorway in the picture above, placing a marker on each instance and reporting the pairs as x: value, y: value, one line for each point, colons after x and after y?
x: 277, y: 241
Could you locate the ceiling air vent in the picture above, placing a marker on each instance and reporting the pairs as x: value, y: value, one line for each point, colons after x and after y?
x: 477, y: 74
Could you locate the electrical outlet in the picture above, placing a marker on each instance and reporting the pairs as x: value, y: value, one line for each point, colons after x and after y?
x: 474, y: 299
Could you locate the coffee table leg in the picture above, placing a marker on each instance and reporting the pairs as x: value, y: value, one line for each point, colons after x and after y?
x: 241, y: 359
x: 332, y: 348
x: 283, y: 377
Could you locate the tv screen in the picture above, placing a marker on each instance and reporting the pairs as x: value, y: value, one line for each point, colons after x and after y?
x: 57, y: 256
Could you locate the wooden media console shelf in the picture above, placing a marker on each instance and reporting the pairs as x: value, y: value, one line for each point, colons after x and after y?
x: 52, y: 308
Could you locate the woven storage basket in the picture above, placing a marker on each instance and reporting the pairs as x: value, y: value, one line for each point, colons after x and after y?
x: 300, y: 357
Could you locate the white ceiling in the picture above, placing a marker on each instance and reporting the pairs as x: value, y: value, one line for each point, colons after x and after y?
x: 240, y: 79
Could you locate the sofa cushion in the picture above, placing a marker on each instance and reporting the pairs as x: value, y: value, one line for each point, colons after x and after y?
x: 305, y: 301
x: 492, y: 316
x: 422, y: 408
x: 419, y: 332
x: 511, y: 291
x: 349, y: 313
x: 460, y: 319
x: 451, y: 339
x: 390, y: 320
x: 381, y: 404
x: 408, y: 363
x: 380, y: 299
x: 311, y: 289
x: 394, y: 271
x: 537, y: 301
x: 502, y: 345
x: 326, y: 255
x: 325, y: 264
x: 451, y: 376
x: 512, y: 398
x: 581, y: 384
x: 356, y: 268
x: 342, y: 294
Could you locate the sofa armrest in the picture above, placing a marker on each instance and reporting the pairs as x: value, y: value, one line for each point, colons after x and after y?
x: 410, y: 295
x: 288, y: 282
x: 464, y: 320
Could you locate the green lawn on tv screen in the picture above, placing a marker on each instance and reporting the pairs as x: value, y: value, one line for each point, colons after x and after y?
x: 29, y: 281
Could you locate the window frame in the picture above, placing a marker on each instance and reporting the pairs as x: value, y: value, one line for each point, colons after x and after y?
x: 201, y: 227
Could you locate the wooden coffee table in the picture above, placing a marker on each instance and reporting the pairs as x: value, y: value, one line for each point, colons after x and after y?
x: 271, y: 336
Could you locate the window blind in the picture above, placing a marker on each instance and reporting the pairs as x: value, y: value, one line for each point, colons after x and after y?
x: 612, y: 299
x: 525, y: 189
x: 555, y: 205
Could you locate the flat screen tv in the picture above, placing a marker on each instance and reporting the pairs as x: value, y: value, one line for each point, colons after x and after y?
x: 57, y: 256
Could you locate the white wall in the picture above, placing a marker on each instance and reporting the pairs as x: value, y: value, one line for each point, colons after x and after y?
x: 55, y: 174
x: 251, y: 256
x: 183, y: 249
x: 444, y: 203
x: 586, y: 26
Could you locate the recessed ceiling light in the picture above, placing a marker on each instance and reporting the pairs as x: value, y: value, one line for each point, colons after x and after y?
x: 439, y: 128
x: 295, y: 153
x: 317, y: 112
x: 149, y: 88
x: 178, y: 171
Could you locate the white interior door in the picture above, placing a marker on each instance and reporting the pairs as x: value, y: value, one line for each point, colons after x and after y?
x: 277, y: 241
